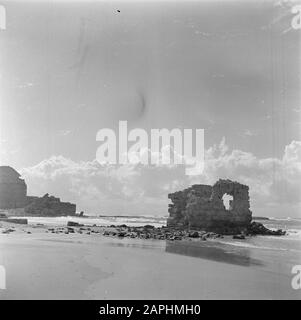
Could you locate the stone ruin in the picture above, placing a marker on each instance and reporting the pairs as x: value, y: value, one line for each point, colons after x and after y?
x: 13, y: 195
x: 201, y: 207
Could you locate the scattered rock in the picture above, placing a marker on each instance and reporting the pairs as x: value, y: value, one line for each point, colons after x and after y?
x: 257, y: 228
x: 121, y: 234
x: 193, y: 234
x: 148, y: 226
x: 7, y: 231
x: 239, y: 237
x: 15, y: 220
x: 73, y: 224
x: 178, y: 238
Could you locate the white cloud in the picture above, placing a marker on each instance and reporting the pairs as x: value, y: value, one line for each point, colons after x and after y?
x: 25, y: 85
x: 274, y: 183
x: 136, y: 189
x: 250, y: 133
x: 65, y: 132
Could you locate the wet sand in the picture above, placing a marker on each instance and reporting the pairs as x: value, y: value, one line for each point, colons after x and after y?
x: 42, y: 265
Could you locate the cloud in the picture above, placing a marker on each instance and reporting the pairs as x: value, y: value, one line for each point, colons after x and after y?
x: 136, y: 189
x: 250, y: 133
x: 274, y: 183
x: 64, y: 132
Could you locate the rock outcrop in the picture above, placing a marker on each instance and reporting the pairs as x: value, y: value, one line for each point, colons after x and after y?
x: 201, y: 207
x: 13, y: 189
x: 15, y: 220
x: 258, y: 228
x: 13, y: 196
x: 49, y: 206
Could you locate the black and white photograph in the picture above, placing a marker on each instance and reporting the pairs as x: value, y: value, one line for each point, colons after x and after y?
x: 150, y: 150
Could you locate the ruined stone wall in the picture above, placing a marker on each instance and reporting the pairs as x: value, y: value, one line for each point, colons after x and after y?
x: 177, y: 208
x: 201, y: 207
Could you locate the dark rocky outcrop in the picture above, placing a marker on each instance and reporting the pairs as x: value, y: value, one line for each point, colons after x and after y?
x: 13, y: 189
x: 13, y: 196
x: 2, y: 215
x: 14, y: 220
x: 50, y: 206
x: 239, y: 237
x: 74, y: 224
x: 256, y: 228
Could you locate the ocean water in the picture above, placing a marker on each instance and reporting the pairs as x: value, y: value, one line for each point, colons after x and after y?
x: 101, y: 220
x: 291, y: 241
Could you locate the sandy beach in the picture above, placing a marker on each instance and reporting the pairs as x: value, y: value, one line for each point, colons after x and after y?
x: 44, y: 265
x: 150, y: 150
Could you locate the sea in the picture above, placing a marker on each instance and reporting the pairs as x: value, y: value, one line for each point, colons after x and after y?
x: 290, y: 242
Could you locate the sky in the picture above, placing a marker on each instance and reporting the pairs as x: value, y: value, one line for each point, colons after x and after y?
x: 71, y: 68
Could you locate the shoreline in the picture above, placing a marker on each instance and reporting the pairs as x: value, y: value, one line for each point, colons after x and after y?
x: 42, y: 264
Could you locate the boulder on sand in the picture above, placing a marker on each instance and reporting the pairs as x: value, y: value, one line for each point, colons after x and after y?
x: 73, y: 224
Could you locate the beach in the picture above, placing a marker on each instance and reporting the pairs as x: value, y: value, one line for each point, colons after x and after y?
x: 40, y: 264
x: 150, y: 150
